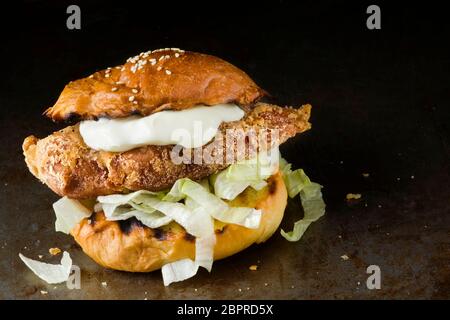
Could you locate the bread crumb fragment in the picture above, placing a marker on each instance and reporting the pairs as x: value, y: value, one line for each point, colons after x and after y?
x: 54, y: 251
x: 353, y: 196
x: 345, y: 257
x: 253, y: 267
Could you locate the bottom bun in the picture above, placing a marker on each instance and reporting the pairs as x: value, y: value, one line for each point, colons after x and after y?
x: 130, y: 246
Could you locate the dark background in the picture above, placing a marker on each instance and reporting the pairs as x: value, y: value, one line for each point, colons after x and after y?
x: 380, y: 105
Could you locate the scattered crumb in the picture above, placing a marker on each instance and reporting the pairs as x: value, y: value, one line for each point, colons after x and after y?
x: 145, y: 298
x: 104, y: 284
x: 379, y: 206
x: 339, y: 236
x: 195, y: 289
x: 345, y: 257
x: 398, y: 179
x: 353, y: 196
x: 365, y: 204
x: 253, y: 267
x: 248, y: 288
x: 259, y: 261
x: 412, y: 177
x: 341, y: 162
x: 388, y: 234
x: 145, y: 292
x: 292, y: 287
x: 366, y: 175
x: 266, y: 284
x: 359, y: 283
x: 240, y: 290
x: 54, y: 251
x: 40, y: 256
x: 43, y: 292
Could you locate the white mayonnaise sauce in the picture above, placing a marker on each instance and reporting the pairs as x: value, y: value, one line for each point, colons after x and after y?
x: 190, y: 128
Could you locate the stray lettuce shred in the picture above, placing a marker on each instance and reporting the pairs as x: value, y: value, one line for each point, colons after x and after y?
x: 50, y: 273
x: 297, y: 182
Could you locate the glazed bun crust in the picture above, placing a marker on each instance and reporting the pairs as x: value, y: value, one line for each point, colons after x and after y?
x: 155, y: 81
x: 129, y: 246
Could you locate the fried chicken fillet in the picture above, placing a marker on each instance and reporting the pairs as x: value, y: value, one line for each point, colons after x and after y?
x: 70, y: 168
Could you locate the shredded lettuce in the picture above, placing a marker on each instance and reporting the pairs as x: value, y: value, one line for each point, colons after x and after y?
x: 122, y: 207
x: 297, y: 182
x: 178, y: 271
x: 50, y: 273
x: 69, y: 213
x: 231, y: 182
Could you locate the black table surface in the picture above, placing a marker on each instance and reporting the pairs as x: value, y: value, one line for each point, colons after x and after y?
x: 380, y: 106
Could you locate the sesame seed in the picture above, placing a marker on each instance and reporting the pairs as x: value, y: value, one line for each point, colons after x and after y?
x: 107, y: 75
x: 118, y: 68
x: 104, y: 284
x: 114, y: 89
x: 177, y: 55
x: 131, y: 98
x: 159, y: 68
x: 168, y: 72
x: 135, y: 102
x: 166, y: 56
x: 122, y: 69
x: 134, y: 90
x: 91, y: 76
x: 118, y: 82
x: 108, y: 71
x: 160, y: 58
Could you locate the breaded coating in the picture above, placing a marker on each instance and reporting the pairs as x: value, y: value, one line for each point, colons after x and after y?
x: 70, y: 168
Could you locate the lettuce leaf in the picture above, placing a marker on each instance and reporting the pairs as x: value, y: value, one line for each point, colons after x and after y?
x: 297, y: 182
x: 69, y: 213
x: 231, y: 182
x: 50, y: 273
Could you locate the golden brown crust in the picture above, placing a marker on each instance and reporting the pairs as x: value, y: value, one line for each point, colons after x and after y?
x: 151, y: 82
x: 70, y: 168
x: 132, y: 247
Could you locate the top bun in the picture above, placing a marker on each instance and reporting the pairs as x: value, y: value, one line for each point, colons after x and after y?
x: 153, y: 81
